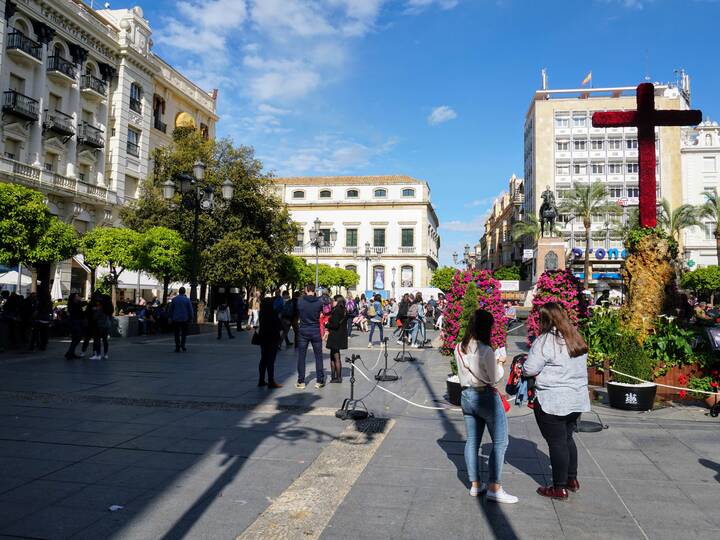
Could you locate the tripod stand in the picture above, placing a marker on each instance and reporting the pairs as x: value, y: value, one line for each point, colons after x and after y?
x: 386, y: 374
x: 349, y: 409
x: 404, y: 356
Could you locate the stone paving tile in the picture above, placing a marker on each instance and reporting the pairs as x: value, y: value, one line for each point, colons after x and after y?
x: 29, y: 468
x: 53, y: 522
x: 84, y: 472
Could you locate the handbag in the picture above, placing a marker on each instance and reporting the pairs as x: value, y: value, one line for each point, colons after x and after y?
x: 255, y: 340
x: 505, y: 404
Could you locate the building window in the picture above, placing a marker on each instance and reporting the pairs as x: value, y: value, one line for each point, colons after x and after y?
x: 596, y: 144
x: 378, y: 237
x: 562, y: 121
x: 580, y: 121
x: 709, y: 164
x: 633, y: 168
x: 614, y: 144
x: 325, y: 194
x: 11, y: 149
x: 408, y: 192
x: 136, y: 97
x: 710, y: 229
x: 325, y: 233
x: 615, y: 168
x: 633, y: 192
x: 631, y: 144
x: 616, y: 193
x: 563, y: 146
x: 299, y: 194
x: 133, y: 142
x: 580, y: 145
x: 580, y: 168
x: 380, y: 193
x: 597, y: 168
x: 562, y: 169
x: 407, y: 237
x: 352, y: 194
x: 708, y: 139
x: 351, y: 238
x: 406, y: 276
x: 17, y: 84
x: 300, y: 242
x: 351, y: 267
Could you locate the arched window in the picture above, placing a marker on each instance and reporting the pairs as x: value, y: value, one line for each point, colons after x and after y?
x: 136, y: 97
x: 352, y: 194
x: 58, y: 50
x: 380, y: 193
x: 708, y: 140
x: 299, y: 194
x: 20, y: 26
x: 325, y: 194
x: 406, y: 276
x: 351, y: 267
x: 408, y: 192
x: 90, y: 69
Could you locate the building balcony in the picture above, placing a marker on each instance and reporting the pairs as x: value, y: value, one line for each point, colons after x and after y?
x: 93, y: 88
x: 23, y: 49
x: 20, y: 105
x: 91, y: 136
x: 379, y: 250
x: 136, y: 105
x: 61, y: 70
x: 407, y: 250
x: 298, y: 250
x: 159, y: 125
x: 133, y: 149
x: 59, y: 123
x: 350, y: 250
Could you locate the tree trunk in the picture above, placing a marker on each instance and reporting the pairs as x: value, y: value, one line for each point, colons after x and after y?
x: 203, y: 292
x: 586, y: 267
x: 43, y: 276
x: 166, y: 286
x: 92, y: 280
x: 113, y: 295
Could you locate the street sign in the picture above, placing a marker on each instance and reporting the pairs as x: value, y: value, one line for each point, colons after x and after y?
x: 528, y: 254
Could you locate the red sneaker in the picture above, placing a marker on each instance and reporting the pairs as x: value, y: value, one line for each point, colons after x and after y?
x: 553, y: 492
x: 573, y: 485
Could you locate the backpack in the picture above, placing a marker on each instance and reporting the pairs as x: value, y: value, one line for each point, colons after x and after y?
x: 371, y: 311
x: 327, y: 308
x: 413, y: 311
x: 350, y: 306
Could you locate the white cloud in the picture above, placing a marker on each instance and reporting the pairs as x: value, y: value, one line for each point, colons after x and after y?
x: 475, y: 224
x: 416, y: 6
x: 479, y: 202
x: 441, y: 114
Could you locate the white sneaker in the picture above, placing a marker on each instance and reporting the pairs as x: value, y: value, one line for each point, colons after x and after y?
x: 501, y: 496
x: 95, y: 357
x: 105, y: 357
x: 369, y: 345
x: 475, y: 491
x: 399, y: 342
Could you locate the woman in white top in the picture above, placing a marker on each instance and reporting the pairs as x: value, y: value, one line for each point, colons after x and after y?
x: 558, y: 361
x: 479, y: 372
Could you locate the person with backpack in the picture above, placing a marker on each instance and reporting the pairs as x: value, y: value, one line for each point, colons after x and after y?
x: 479, y: 371
x: 402, y: 318
x: 352, y: 312
x: 327, y: 304
x: 375, y: 316
x: 223, y: 319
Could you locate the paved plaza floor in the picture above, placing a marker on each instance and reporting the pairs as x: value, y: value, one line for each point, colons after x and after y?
x: 153, y: 444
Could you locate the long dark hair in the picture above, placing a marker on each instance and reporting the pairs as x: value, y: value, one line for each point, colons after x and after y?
x: 339, y: 301
x: 266, y: 308
x: 479, y: 328
x: 554, y: 320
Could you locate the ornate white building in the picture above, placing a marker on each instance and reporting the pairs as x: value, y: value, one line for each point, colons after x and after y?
x: 84, y: 101
x: 700, y: 153
x: 387, y: 228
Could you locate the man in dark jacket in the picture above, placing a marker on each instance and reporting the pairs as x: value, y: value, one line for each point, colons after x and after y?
x: 181, y: 315
x: 309, y: 310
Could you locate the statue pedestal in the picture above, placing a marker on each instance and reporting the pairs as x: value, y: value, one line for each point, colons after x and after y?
x: 549, y: 255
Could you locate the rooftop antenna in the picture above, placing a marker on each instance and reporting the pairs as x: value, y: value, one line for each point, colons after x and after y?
x: 544, y: 78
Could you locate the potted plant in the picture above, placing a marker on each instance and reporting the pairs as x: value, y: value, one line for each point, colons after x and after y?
x: 631, y: 359
x: 708, y: 383
x: 469, y: 306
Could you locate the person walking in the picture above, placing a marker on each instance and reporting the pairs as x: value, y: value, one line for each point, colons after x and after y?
x: 375, y: 315
x: 337, y: 337
x: 254, y: 310
x: 479, y: 372
x: 102, y: 323
x: 269, y: 336
x: 417, y: 311
x: 77, y: 323
x: 309, y: 310
x: 181, y: 314
x: 223, y: 319
x: 558, y: 361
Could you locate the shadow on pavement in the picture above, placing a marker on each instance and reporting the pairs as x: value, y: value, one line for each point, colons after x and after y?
x: 711, y: 465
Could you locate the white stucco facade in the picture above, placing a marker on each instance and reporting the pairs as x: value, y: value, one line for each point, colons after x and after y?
x: 392, y: 214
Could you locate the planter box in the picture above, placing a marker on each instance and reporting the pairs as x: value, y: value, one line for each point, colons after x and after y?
x: 672, y: 378
x: 631, y: 397
x: 453, y: 390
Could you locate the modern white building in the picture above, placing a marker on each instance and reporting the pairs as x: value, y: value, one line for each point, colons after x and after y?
x: 700, y: 173
x: 84, y: 101
x: 387, y: 228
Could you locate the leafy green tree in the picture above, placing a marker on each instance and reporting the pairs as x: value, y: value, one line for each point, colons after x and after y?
x: 675, y: 221
x: 239, y: 259
x: 442, y: 278
x: 704, y: 280
x: 470, y: 305
x: 294, y: 272
x: 60, y: 241
x: 711, y: 210
x: 164, y: 254
x: 507, y: 272
x: 118, y: 249
x: 24, y: 219
x: 585, y: 201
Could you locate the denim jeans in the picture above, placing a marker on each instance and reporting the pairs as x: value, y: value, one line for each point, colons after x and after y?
x: 419, y: 328
x: 378, y: 325
x: 311, y: 336
x: 483, y: 407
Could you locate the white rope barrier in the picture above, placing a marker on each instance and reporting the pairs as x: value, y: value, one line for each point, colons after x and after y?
x: 663, y: 385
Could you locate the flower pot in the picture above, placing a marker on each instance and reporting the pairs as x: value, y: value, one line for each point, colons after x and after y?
x: 453, y: 389
x: 631, y: 397
x: 712, y: 400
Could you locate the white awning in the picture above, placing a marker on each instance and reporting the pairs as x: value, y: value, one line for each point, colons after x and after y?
x: 11, y: 278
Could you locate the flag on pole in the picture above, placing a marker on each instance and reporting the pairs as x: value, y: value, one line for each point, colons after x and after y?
x: 587, y: 79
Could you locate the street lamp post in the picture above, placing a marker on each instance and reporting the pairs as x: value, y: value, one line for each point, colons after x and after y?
x: 318, y: 240
x: 196, y: 197
x: 368, y: 256
x: 467, y: 259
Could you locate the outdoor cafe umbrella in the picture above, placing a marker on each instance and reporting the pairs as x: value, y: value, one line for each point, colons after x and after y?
x: 56, y: 292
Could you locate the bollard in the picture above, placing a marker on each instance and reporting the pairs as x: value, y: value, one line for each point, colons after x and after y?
x: 386, y: 374
x: 349, y: 409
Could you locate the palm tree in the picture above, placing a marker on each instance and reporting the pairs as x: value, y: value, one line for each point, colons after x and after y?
x: 528, y: 228
x: 674, y: 221
x: 711, y: 210
x: 585, y: 201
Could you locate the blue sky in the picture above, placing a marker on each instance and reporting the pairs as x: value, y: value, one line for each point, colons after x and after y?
x: 436, y: 89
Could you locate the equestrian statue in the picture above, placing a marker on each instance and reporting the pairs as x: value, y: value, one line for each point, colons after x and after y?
x: 548, y: 212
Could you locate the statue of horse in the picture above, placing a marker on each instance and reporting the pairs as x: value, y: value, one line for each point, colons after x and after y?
x: 548, y: 212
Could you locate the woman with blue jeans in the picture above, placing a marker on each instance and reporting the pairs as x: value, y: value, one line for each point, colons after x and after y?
x: 376, y: 319
x: 479, y: 372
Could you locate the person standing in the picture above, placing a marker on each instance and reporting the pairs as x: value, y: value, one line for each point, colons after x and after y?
x: 77, y: 322
x: 286, y: 317
x: 295, y: 323
x: 223, y: 319
x: 41, y: 315
x: 241, y: 311
x: 337, y: 337
x: 479, y: 372
x: 402, y: 316
x: 269, y: 336
x: 181, y: 315
x: 254, y: 310
x: 558, y: 361
x: 309, y: 310
x: 102, y: 323
x: 375, y: 315
x: 352, y: 312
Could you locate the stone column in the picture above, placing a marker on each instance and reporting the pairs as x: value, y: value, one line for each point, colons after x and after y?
x: 39, y: 89
x: 74, y: 110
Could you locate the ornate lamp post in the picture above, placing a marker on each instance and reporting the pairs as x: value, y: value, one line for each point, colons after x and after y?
x: 467, y: 259
x: 196, y: 197
x: 369, y: 255
x: 318, y: 240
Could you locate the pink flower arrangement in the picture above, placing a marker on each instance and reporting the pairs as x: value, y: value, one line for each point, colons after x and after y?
x: 561, y: 287
x: 489, y: 299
